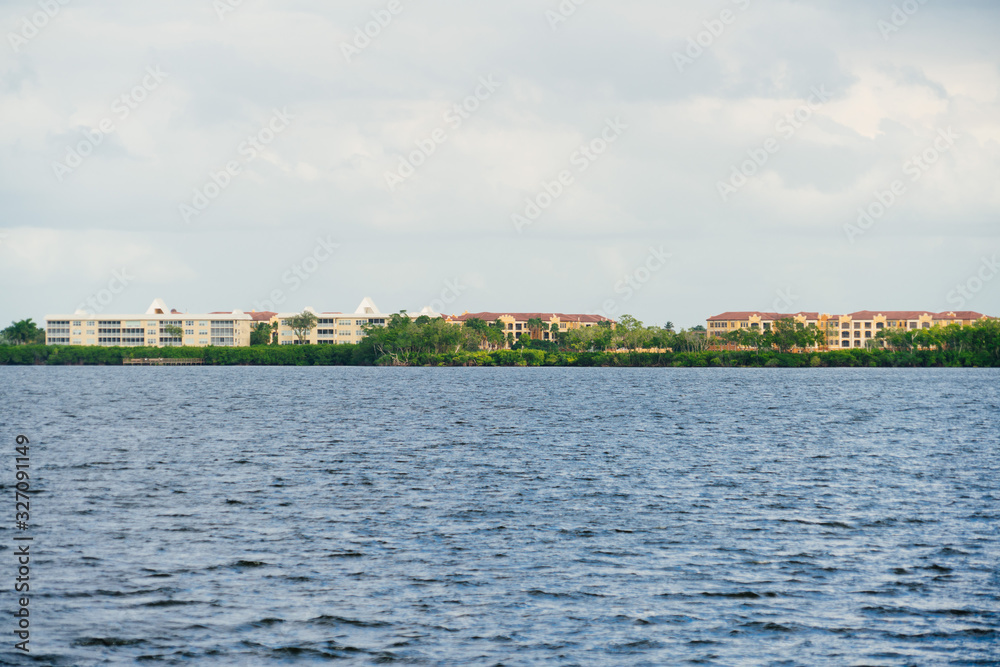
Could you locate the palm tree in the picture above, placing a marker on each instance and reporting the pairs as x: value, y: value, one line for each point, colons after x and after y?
x: 24, y: 332
x: 535, y: 325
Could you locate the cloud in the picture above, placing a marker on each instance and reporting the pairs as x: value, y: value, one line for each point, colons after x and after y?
x: 354, y: 122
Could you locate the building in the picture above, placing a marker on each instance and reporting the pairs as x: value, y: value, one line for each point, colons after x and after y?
x: 843, y: 331
x: 157, y: 327
x: 332, y: 328
x: 517, y: 323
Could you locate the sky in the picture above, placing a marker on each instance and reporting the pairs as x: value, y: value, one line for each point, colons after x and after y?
x: 670, y: 160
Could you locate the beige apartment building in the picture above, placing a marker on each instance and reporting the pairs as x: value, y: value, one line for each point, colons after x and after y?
x: 157, y: 327
x: 332, y: 328
x: 160, y: 326
x: 853, y: 330
x: 517, y: 323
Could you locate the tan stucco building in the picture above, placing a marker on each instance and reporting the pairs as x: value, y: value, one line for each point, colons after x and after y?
x: 517, y: 323
x: 150, y: 329
x: 332, y: 328
x: 843, y: 331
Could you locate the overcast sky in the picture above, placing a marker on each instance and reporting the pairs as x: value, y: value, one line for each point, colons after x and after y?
x: 715, y: 153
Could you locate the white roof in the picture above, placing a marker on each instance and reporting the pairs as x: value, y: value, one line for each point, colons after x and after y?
x: 426, y: 310
x: 367, y: 307
x: 157, y: 305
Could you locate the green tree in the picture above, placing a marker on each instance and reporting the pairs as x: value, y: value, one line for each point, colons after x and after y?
x: 302, y: 324
x: 25, y: 332
x: 261, y: 334
x: 535, y: 326
x: 173, y: 331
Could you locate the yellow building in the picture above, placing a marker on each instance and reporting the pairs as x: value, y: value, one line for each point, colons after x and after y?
x: 517, y: 323
x: 332, y: 328
x: 843, y: 331
x: 157, y: 327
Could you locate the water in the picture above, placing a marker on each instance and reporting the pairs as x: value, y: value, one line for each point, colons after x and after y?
x: 225, y: 516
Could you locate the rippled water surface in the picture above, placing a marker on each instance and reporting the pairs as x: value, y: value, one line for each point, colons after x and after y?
x: 508, y: 516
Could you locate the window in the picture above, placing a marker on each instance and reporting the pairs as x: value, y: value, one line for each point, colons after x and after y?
x: 857, y: 334
x: 517, y: 327
x: 879, y: 325
x: 868, y: 325
x: 927, y: 325
x: 857, y: 325
x: 846, y: 334
x: 868, y: 334
x: 845, y: 343
x: 189, y: 332
x: 344, y: 323
x: 845, y: 325
x: 189, y: 323
x: 322, y: 322
x: 223, y: 333
x: 76, y: 324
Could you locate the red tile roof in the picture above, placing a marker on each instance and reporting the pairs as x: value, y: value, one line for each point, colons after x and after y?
x: 523, y: 317
x: 915, y: 314
x: 747, y: 314
x: 859, y: 315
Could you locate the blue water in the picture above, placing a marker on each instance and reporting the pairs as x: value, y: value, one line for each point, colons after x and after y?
x: 231, y: 516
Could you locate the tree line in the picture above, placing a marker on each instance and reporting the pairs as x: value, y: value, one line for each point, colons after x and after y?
x: 405, y: 341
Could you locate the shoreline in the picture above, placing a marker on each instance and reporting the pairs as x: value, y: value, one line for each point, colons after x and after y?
x: 362, y: 356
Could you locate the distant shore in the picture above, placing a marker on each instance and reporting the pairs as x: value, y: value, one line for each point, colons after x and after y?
x: 358, y: 355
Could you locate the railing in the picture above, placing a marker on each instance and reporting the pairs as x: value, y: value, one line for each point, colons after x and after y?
x: 163, y: 362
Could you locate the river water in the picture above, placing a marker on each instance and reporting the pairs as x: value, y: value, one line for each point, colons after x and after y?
x: 230, y: 516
